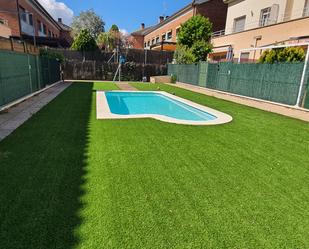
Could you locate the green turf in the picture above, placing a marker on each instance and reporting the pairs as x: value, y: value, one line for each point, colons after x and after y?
x: 71, y: 181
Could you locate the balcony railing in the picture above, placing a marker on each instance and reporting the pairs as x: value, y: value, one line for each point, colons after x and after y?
x: 304, y: 12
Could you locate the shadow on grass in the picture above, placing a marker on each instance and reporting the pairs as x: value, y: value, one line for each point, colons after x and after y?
x: 42, y: 172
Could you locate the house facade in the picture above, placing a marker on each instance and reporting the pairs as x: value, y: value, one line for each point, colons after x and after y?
x: 163, y: 36
x: 27, y: 19
x: 252, y: 24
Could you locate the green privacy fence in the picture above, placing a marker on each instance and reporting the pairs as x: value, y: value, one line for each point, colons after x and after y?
x: 22, y: 74
x: 274, y: 82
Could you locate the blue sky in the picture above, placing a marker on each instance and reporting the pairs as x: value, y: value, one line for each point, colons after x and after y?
x: 127, y: 14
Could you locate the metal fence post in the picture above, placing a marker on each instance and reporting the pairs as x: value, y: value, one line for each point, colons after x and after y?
x: 29, y: 70
x: 302, y: 82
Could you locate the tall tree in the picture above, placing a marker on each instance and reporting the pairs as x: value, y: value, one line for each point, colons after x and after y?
x: 84, y: 41
x: 88, y: 20
x: 194, y: 37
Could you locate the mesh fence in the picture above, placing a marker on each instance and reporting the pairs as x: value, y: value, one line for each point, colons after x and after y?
x: 22, y: 74
x: 185, y: 73
x: 274, y: 82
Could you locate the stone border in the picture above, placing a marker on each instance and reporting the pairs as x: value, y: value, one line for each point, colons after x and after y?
x: 282, y: 109
x: 103, y: 111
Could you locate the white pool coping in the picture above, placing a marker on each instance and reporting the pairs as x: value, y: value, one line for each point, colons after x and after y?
x: 104, y: 112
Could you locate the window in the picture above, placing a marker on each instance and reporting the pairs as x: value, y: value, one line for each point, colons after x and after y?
x: 163, y: 37
x: 169, y: 35
x: 30, y: 19
x: 23, y: 15
x: 148, y: 43
x: 145, y: 45
x: 153, y: 41
x: 244, y: 57
x: 306, y: 8
x: 49, y: 33
x: 265, y: 16
x: 44, y: 29
x: 4, y: 22
x: 158, y: 39
x: 239, y: 24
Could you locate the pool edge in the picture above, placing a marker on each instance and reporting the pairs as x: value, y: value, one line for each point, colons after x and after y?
x: 103, y: 111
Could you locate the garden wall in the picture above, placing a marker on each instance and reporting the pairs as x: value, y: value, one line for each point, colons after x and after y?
x: 22, y: 74
x: 96, y: 70
x: 274, y: 82
x: 138, y: 56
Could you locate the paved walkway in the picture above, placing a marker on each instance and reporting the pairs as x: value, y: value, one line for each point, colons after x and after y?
x: 125, y: 86
x: 285, y: 110
x: 17, y: 115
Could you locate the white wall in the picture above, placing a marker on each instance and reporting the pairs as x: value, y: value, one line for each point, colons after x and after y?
x: 252, y: 10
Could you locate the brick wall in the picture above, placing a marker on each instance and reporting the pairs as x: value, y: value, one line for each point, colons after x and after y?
x: 37, y: 15
x: 9, y: 12
x: 170, y: 26
x: 216, y: 11
x: 137, y: 41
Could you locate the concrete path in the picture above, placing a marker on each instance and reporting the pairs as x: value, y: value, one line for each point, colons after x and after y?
x: 125, y: 86
x: 298, y: 113
x: 17, y: 115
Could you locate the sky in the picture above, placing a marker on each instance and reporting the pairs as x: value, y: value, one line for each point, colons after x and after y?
x: 127, y: 14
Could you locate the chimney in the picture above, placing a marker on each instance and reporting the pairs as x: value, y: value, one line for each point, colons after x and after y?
x: 161, y: 19
x: 166, y: 17
x: 142, y: 26
x: 60, y: 20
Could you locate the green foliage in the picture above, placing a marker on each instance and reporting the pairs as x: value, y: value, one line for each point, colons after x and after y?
x: 194, y: 38
x: 84, y: 42
x: 107, y: 41
x: 200, y: 50
x: 173, y: 78
x: 88, y: 20
x: 184, y: 55
x: 114, y: 28
x: 290, y: 54
x: 52, y: 55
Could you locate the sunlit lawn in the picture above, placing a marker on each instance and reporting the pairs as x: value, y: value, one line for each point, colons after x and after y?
x: 71, y: 181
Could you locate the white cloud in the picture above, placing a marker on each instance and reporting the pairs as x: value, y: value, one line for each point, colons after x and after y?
x: 124, y: 32
x: 58, y: 10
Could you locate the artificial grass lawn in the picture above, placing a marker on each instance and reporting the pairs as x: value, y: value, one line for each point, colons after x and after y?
x: 71, y: 181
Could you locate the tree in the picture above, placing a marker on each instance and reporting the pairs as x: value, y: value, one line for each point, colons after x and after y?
x: 88, y: 20
x: 84, y: 41
x: 114, y: 28
x: 113, y: 38
x: 194, y: 36
x: 289, y: 54
x: 197, y: 28
x: 183, y: 55
x: 106, y: 41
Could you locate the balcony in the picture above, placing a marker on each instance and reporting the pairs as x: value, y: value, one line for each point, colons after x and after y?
x: 265, y: 21
x: 26, y: 28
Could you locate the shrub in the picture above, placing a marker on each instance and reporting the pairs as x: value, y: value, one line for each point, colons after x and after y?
x: 52, y: 55
x: 183, y: 55
x: 173, y: 78
x: 290, y: 54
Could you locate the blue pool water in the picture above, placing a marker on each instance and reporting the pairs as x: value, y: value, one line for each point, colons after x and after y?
x: 128, y: 103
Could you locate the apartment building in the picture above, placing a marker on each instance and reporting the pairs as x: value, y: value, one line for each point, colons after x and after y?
x: 252, y: 23
x: 27, y: 19
x: 163, y: 36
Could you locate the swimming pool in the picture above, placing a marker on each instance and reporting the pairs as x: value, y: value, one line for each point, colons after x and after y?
x: 158, y: 105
